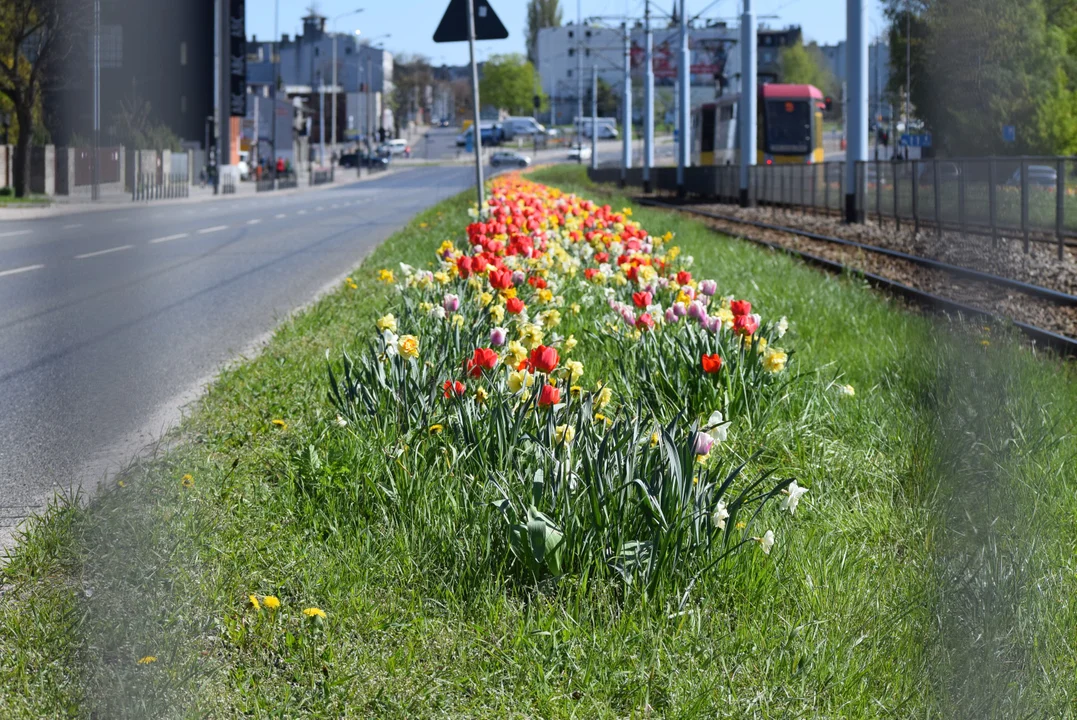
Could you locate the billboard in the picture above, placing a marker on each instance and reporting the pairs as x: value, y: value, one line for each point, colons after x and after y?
x: 709, y: 52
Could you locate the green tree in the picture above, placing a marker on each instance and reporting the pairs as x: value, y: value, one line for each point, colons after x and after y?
x: 509, y: 83
x: 607, y: 101
x: 806, y: 66
x: 540, y: 14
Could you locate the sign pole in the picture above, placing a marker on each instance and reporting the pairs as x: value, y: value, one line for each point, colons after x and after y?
x: 475, y: 100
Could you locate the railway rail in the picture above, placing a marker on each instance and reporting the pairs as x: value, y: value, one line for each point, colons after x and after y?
x: 933, y: 300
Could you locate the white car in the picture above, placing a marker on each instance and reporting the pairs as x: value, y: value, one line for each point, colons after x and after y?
x: 397, y: 146
x: 580, y: 153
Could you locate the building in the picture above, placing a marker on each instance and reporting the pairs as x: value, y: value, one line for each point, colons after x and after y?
x: 562, y: 50
x: 770, y: 44
x: 878, y: 73
x: 364, y: 77
x: 156, y: 68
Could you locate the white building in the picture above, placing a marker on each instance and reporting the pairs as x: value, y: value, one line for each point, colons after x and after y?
x: 561, y: 51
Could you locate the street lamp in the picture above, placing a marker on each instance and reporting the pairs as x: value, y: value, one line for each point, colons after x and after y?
x: 334, y: 102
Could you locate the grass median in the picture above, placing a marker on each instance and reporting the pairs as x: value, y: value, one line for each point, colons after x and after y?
x: 929, y: 571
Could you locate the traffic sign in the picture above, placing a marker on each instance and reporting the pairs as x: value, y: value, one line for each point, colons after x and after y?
x: 920, y: 140
x: 453, y: 25
x: 1009, y: 133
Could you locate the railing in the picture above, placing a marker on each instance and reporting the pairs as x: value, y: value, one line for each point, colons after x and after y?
x: 287, y: 182
x: 1030, y: 198
x: 147, y: 186
x: 319, y: 177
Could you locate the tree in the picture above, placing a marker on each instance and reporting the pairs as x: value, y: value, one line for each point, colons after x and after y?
x: 607, y: 101
x: 412, y: 75
x: 540, y: 14
x: 509, y: 83
x: 34, y: 39
x: 806, y: 66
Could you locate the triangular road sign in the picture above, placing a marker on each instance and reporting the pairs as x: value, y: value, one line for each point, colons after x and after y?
x: 453, y: 26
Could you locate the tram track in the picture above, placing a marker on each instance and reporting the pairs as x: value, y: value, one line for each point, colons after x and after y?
x: 1047, y: 316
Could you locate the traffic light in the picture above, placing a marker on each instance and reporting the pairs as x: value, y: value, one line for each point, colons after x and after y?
x: 537, y: 102
x: 828, y: 102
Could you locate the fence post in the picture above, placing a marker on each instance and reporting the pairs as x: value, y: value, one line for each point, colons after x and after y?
x: 938, y: 199
x: 1060, y: 206
x: 961, y: 195
x: 878, y: 192
x: 1024, y: 202
x: 991, y: 202
x: 894, y: 177
x: 915, y: 198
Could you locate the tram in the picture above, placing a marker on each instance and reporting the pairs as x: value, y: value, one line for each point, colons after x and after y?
x: 790, y: 123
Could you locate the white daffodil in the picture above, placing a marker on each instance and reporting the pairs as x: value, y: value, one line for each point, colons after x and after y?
x: 717, y: 427
x: 390, y: 339
x: 438, y: 311
x: 783, y: 325
x: 721, y: 514
x: 793, y: 493
x: 766, y: 542
x: 847, y: 390
x: 341, y: 421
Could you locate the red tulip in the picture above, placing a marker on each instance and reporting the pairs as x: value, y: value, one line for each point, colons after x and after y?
x: 548, y: 396
x: 745, y: 324
x: 684, y: 277
x: 453, y: 388
x: 481, y: 359
x: 590, y: 273
x: 537, y: 282
x: 501, y: 279
x: 464, y: 265
x: 602, y: 257
x: 544, y: 359
x: 740, y: 307
x: 641, y: 299
x: 515, y: 306
x: 478, y: 264
x: 711, y: 363
x: 645, y: 321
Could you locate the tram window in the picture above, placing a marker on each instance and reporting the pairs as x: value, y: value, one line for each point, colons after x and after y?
x: 707, y: 130
x: 788, y: 127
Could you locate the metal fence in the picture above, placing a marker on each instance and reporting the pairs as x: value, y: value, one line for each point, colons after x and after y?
x: 319, y: 177
x: 1031, y: 198
x: 108, y: 165
x: 269, y: 183
x: 287, y: 183
x: 151, y: 186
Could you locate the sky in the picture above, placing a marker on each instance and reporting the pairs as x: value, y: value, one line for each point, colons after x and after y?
x: 411, y: 23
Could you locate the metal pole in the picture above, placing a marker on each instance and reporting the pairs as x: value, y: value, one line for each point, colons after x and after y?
x: 1060, y: 206
x: 594, y: 116
x: 218, y: 110
x: 746, y: 113
x: 1024, y: 203
x: 908, y: 62
x: 333, y: 142
x: 321, y: 119
x: 579, y: 85
x: 368, y: 126
x: 648, y: 98
x: 626, y: 152
x: 475, y: 100
x: 685, y: 137
x: 275, y: 49
x: 856, y: 149
x: 96, y: 190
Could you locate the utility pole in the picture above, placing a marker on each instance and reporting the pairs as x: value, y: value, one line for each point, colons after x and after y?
x: 594, y: 116
x: 908, y: 61
x: 856, y: 149
x: 684, y: 109
x: 275, y: 49
x: 369, y: 100
x: 747, y: 113
x: 475, y: 101
x: 626, y: 153
x: 579, y: 84
x: 321, y: 119
x: 96, y: 190
x: 648, y: 98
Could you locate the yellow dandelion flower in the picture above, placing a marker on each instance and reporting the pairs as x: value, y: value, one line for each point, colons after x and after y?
x: 272, y: 602
x: 422, y: 225
x: 187, y: 481
x: 386, y: 276
x: 147, y: 660
x: 280, y: 423
x: 313, y: 612
x: 741, y: 525
x: 121, y: 483
x: 253, y: 600
x: 436, y: 428
x: 654, y: 439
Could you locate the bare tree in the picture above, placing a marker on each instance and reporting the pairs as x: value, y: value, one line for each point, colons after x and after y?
x: 34, y: 39
x: 540, y: 14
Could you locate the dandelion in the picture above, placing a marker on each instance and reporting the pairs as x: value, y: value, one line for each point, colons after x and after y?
x: 313, y: 612
x: 422, y: 225
x: 436, y: 428
x: 741, y: 525
x: 481, y: 394
x: 409, y: 346
x: 351, y: 284
x: 147, y: 660
x: 564, y: 434
x: 187, y: 481
x: 271, y: 602
x: 253, y: 600
x: 654, y: 439
x: 793, y: 493
x: 386, y: 276
x: 280, y: 423
x: 121, y: 483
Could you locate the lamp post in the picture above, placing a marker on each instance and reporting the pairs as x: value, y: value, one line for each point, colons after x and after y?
x: 334, y: 100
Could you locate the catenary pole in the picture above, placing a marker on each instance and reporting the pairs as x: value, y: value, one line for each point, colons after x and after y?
x: 96, y: 190
x: 475, y: 100
x: 856, y: 150
x: 746, y: 113
x: 594, y: 116
x: 648, y: 98
x: 684, y: 138
x: 626, y: 151
x: 579, y: 83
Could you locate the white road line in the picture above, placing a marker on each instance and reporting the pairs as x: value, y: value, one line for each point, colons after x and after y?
x: 103, y: 252
x: 255, y: 221
x: 166, y: 238
x: 13, y: 233
x: 302, y: 212
x: 215, y: 228
x: 16, y: 271
x: 72, y: 227
x: 282, y: 215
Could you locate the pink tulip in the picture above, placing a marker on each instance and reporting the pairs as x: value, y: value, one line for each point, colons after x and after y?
x: 671, y: 316
x: 450, y: 302
x: 702, y: 443
x: 708, y: 287
x: 679, y: 309
x: 498, y: 336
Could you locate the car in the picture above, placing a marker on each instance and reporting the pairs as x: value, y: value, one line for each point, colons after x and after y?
x: 1037, y: 175
x: 349, y: 160
x: 398, y: 146
x: 492, y: 134
x: 374, y: 162
x: 580, y: 153
x: 444, y: 122
x: 509, y: 157
x: 522, y: 127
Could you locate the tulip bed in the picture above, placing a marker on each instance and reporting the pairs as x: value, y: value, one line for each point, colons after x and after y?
x: 590, y: 472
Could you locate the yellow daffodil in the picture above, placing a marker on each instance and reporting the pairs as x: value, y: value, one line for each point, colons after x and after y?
x: 602, y: 399
x: 497, y: 313
x: 441, y: 276
x: 570, y: 343
x: 386, y: 322
x: 545, y: 295
x: 458, y: 320
x: 386, y: 276
x: 564, y: 434
x: 519, y: 380
x: 408, y: 346
x: 575, y: 370
x: 485, y: 299
x: 515, y: 353
x: 774, y: 360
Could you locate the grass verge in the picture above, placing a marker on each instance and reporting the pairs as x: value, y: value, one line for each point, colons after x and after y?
x: 930, y: 572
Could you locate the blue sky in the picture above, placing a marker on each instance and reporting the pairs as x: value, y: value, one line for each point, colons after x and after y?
x: 411, y: 23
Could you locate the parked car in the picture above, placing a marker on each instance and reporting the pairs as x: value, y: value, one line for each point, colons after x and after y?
x: 398, y: 146
x: 1037, y: 175
x: 374, y: 162
x: 522, y: 127
x: 349, y: 160
x: 579, y: 153
x: 444, y: 122
x: 492, y: 134
x: 509, y: 157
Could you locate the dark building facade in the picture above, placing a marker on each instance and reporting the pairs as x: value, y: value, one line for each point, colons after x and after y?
x: 156, y: 60
x: 769, y: 47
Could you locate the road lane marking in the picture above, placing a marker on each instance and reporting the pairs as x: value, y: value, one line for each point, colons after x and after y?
x: 215, y: 228
x: 166, y: 238
x: 103, y: 252
x: 16, y: 271
x: 255, y: 221
x: 302, y: 212
x: 13, y: 233
x: 282, y: 215
x: 73, y: 226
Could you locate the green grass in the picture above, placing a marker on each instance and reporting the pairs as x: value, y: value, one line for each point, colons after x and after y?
x: 11, y: 200
x: 929, y: 572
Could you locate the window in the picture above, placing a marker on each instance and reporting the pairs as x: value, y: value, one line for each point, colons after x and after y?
x: 570, y: 72
x: 318, y: 51
x: 587, y: 52
x: 572, y: 51
x: 183, y: 52
x: 588, y: 34
x: 570, y: 35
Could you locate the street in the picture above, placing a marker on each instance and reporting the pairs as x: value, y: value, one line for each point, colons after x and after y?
x: 111, y: 321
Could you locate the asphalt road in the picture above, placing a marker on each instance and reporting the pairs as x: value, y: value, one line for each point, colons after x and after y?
x: 111, y: 321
